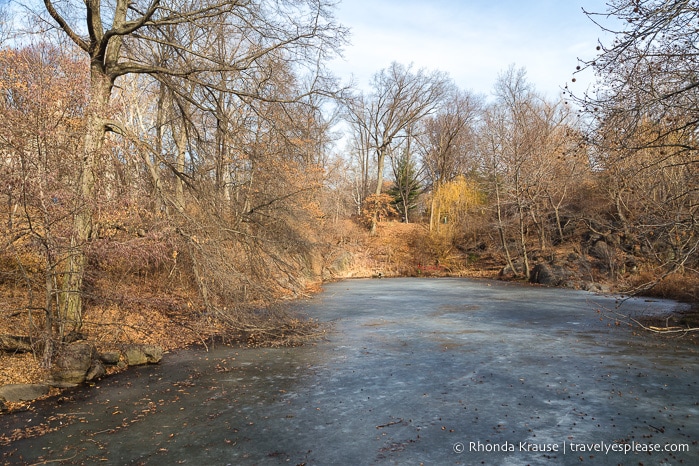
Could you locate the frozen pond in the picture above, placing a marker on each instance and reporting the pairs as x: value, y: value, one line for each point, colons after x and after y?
x: 433, y: 371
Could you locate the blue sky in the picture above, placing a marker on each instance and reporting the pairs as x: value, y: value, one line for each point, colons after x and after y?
x: 472, y: 40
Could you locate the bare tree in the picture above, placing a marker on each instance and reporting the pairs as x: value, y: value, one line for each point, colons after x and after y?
x: 645, y: 119
x: 4, y: 23
x: 42, y: 103
x: 359, y: 147
x: 517, y: 106
x: 491, y: 146
x: 523, y: 142
x: 123, y: 38
x: 447, y: 141
x: 400, y: 98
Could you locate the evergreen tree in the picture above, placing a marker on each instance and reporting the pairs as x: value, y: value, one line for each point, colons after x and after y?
x: 407, y: 186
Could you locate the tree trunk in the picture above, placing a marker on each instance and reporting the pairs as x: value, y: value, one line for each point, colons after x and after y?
x: 501, y: 230
x: 71, y: 298
x: 540, y: 228
x: 181, y: 143
x: 523, y: 239
x: 381, y: 159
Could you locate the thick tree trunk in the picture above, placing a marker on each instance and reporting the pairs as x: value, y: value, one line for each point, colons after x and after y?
x: 71, y: 295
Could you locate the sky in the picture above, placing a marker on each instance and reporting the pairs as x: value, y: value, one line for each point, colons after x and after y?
x: 472, y: 40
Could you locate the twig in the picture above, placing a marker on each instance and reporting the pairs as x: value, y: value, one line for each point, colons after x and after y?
x: 59, y: 460
x: 399, y: 421
x: 649, y: 328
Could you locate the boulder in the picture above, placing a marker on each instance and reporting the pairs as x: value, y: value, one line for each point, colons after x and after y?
x: 550, y: 274
x: 96, y: 371
x: 596, y: 287
x: 143, y: 354
x: 542, y: 274
x: 111, y: 358
x: 71, y: 364
x: 23, y: 392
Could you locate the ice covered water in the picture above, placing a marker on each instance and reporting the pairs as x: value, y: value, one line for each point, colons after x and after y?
x: 433, y: 371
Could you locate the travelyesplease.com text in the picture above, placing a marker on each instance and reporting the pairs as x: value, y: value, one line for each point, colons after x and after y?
x: 569, y: 447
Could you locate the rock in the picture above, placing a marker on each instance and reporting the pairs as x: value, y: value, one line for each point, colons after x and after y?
x: 96, y: 371
x: 541, y: 273
x: 596, y: 287
x: 590, y: 286
x: 73, y: 336
x: 630, y: 265
x: 573, y: 284
x: 604, y: 288
x: 143, y: 354
x: 341, y: 264
x: 15, y: 344
x: 506, y: 273
x: 111, y: 358
x: 23, y: 392
x: 71, y: 364
x: 600, y: 250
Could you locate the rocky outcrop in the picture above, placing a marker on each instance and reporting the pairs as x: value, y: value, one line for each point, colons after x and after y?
x: 79, y: 362
x: 339, y: 265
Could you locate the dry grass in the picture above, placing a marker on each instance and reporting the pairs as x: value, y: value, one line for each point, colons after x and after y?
x: 405, y: 249
x: 676, y: 286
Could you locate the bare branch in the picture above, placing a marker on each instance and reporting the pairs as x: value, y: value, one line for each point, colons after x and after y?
x: 63, y: 24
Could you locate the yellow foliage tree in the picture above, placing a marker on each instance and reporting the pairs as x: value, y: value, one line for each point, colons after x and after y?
x: 451, y: 202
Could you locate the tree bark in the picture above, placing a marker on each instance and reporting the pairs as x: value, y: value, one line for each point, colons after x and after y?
x: 381, y: 160
x: 71, y: 295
